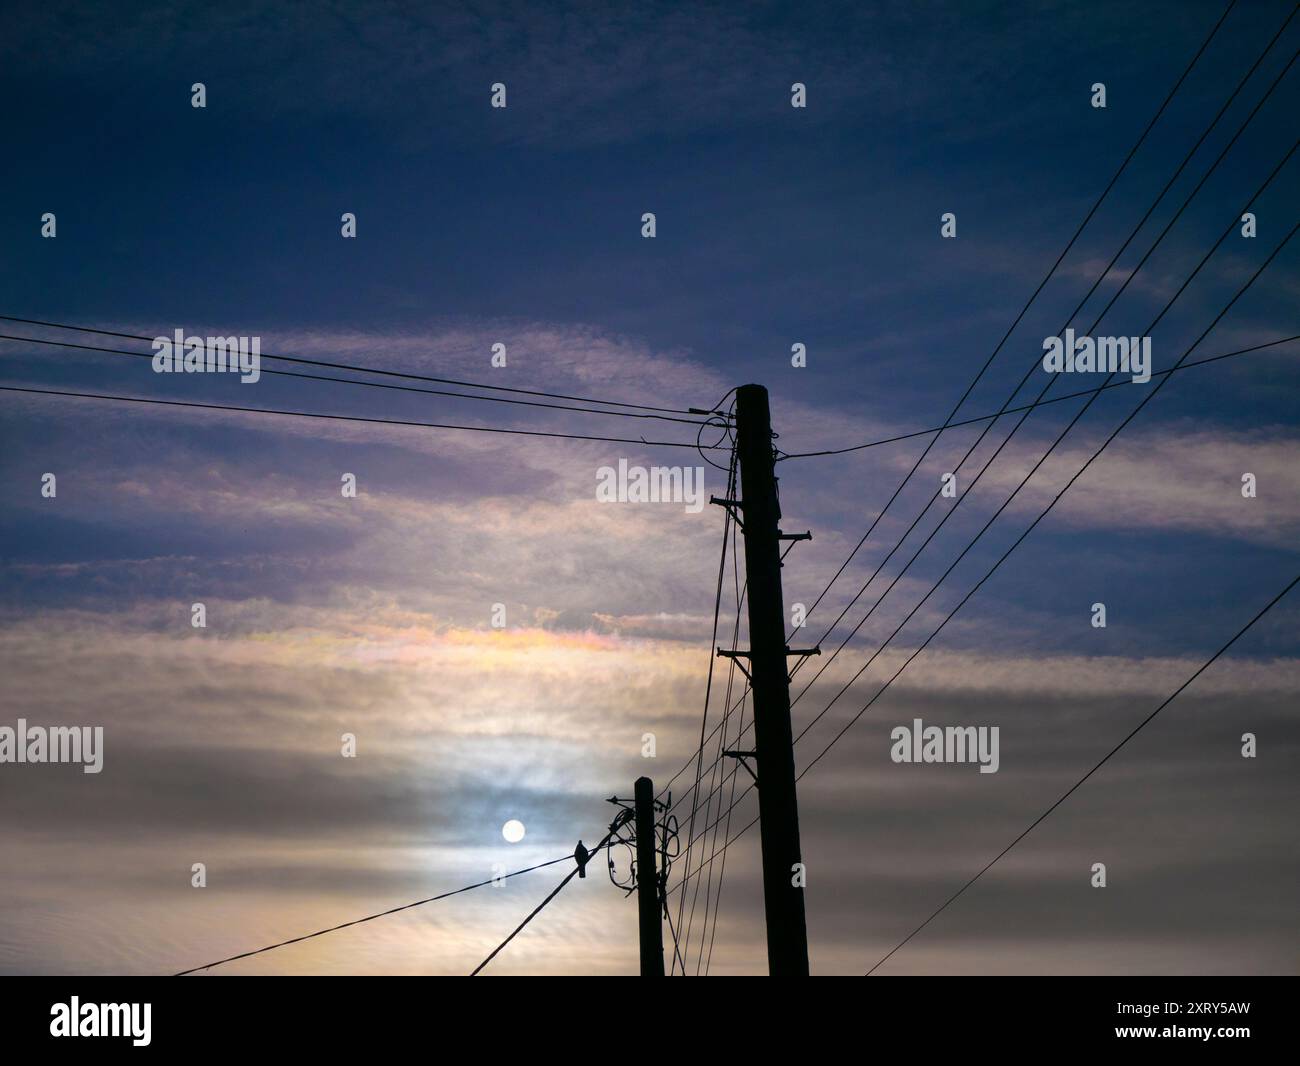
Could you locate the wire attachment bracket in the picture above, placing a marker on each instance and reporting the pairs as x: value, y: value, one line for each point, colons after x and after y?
x: 734, y: 508
x: 736, y: 656
x: 740, y: 757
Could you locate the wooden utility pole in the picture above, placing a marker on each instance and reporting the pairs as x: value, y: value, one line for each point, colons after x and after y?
x: 647, y: 881
x: 778, y: 809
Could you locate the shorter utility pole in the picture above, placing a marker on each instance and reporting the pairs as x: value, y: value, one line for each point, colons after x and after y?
x: 647, y: 881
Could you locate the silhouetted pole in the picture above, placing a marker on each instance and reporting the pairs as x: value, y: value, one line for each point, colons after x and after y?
x: 647, y: 881
x: 778, y: 809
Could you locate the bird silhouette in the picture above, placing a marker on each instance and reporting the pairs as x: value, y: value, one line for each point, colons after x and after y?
x: 581, y: 855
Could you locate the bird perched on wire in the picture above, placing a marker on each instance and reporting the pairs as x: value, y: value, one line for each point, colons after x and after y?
x: 580, y: 856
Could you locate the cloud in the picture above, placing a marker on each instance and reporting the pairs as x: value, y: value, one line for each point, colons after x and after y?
x: 1179, y: 478
x: 223, y: 748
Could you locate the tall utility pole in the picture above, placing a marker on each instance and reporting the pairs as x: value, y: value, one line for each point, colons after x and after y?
x: 647, y: 881
x: 778, y: 809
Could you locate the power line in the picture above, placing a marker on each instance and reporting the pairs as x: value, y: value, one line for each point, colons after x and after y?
x: 717, y: 759
x: 708, y: 687
x: 372, y: 917
x: 723, y: 851
x: 354, y: 418
x: 1132, y: 414
x: 1093, y: 393
x: 1023, y: 535
x: 364, y: 369
x: 1038, y: 403
x: 1034, y: 364
x: 1082, y: 225
x: 725, y: 831
x: 1241, y: 84
x: 1013, y: 410
x: 1041, y: 285
x: 740, y: 590
x: 677, y: 954
x: 377, y: 384
x: 1068, y: 792
x: 1104, y: 273
x: 519, y: 928
x: 554, y: 892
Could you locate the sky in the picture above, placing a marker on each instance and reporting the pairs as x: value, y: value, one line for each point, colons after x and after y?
x: 775, y: 225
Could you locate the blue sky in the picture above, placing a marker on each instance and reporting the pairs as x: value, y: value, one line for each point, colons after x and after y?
x: 522, y: 226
